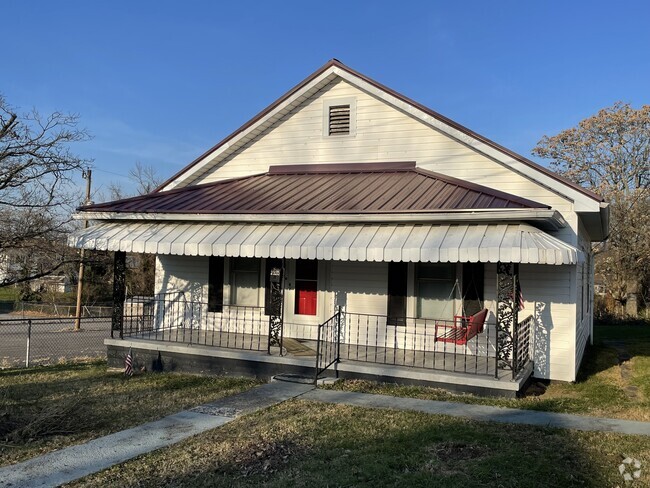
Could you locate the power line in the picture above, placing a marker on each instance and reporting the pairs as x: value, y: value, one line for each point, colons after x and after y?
x: 111, y: 173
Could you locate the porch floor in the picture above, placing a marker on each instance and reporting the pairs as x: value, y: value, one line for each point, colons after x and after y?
x: 353, y: 356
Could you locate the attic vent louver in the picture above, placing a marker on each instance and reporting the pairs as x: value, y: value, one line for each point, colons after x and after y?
x: 339, y: 120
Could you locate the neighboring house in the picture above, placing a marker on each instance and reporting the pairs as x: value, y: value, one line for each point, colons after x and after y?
x: 346, y: 196
x: 11, y: 266
x: 52, y: 284
x: 8, y: 266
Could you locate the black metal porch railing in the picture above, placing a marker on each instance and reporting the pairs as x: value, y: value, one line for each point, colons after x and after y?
x: 522, y: 345
x: 328, y: 345
x: 431, y: 344
x: 174, y: 318
x: 421, y: 343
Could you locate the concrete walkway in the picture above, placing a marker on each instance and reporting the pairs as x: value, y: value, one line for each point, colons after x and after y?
x: 71, y: 463
x: 482, y: 413
x: 74, y: 462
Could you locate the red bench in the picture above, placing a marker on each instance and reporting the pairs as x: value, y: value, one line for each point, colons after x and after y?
x: 463, y: 330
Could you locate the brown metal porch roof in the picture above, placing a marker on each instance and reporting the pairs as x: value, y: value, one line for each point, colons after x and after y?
x: 329, y: 188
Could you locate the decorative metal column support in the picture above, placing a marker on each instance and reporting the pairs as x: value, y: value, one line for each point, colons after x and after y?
x: 507, y: 315
x: 276, y: 317
x: 119, y: 292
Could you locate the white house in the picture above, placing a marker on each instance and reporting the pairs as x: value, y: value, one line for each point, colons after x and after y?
x: 383, y: 220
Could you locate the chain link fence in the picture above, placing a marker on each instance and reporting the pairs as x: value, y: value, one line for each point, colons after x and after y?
x: 45, y: 309
x: 30, y: 341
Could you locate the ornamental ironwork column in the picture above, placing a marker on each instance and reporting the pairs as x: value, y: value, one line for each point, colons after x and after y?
x: 507, y: 314
x: 275, y: 308
x: 119, y: 292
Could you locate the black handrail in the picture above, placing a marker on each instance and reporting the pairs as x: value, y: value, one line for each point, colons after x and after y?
x: 328, y: 345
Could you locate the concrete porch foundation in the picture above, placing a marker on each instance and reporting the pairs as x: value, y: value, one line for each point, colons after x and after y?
x: 151, y: 355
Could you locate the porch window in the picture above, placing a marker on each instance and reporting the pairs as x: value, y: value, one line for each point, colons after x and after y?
x: 245, y: 281
x: 306, y: 302
x: 435, y: 290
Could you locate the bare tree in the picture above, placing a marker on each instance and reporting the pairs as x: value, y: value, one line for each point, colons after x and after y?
x: 36, y: 191
x: 145, y: 178
x: 140, y: 267
x: 609, y: 153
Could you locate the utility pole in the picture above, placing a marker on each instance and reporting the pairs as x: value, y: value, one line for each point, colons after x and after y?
x: 87, y: 174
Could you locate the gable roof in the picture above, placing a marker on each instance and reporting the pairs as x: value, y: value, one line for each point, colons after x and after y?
x: 335, y: 67
x: 326, y: 188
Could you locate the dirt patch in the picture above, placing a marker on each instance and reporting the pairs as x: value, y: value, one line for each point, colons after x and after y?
x: 535, y: 388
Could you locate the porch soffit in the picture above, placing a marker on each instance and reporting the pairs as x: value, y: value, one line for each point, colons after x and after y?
x: 488, y: 243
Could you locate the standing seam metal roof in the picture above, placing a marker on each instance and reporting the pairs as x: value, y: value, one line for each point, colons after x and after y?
x: 331, y: 188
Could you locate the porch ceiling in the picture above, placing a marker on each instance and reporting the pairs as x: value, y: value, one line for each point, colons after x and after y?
x: 490, y: 243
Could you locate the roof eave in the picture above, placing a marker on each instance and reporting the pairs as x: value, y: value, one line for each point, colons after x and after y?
x: 547, y: 219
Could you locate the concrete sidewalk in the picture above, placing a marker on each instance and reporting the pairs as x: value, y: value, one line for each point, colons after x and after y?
x: 71, y: 463
x: 483, y: 413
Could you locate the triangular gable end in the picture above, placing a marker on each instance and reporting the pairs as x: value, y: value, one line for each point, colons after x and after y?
x: 583, y: 199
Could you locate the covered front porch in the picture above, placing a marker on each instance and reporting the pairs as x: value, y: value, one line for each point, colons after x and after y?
x: 257, y: 340
x: 392, y: 301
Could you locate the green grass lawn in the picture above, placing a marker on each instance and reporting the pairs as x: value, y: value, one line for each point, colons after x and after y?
x: 9, y: 293
x: 47, y: 408
x: 309, y: 444
x: 599, y: 391
x: 301, y: 443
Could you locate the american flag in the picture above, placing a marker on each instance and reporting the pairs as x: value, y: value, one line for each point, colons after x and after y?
x: 128, y: 364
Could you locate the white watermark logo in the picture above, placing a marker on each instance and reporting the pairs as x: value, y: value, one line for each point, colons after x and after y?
x: 630, y: 469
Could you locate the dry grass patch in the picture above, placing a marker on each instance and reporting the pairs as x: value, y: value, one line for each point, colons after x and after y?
x: 601, y: 389
x: 309, y: 444
x: 47, y: 408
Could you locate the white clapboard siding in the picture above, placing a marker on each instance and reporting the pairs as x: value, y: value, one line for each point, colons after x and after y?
x: 549, y: 293
x: 551, y: 300
x: 182, y: 274
x: 182, y: 280
x: 361, y: 287
x: 383, y: 133
x: 584, y: 296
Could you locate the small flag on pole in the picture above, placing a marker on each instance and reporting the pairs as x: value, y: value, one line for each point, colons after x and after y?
x: 128, y: 364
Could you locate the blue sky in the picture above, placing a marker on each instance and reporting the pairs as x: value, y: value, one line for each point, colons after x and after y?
x: 160, y: 82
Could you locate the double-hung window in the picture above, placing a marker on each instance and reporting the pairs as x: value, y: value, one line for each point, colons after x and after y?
x: 245, y: 281
x: 435, y: 290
